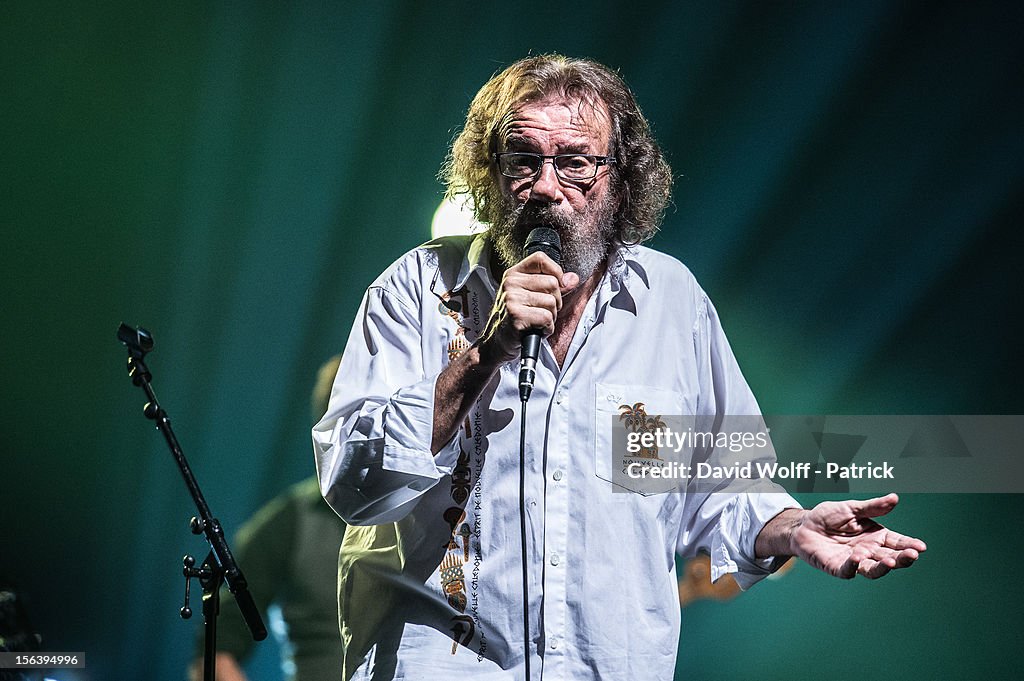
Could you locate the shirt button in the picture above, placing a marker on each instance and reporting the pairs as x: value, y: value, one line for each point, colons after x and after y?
x: 560, y: 397
x: 554, y: 559
x: 557, y: 475
x: 554, y: 643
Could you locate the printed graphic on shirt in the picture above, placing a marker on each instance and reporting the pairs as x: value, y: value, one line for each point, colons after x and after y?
x: 453, y: 581
x: 457, y: 553
x: 462, y: 478
x: 463, y: 630
x: 454, y: 304
x: 636, y: 420
x: 460, y: 568
x: 475, y: 435
x: 453, y: 576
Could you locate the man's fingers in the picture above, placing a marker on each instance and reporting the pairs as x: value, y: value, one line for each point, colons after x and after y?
x: 849, y: 570
x: 532, y: 301
x: 542, y: 282
x: 873, y: 508
x: 526, y: 317
x: 883, y: 561
x: 897, y: 541
x: 873, y: 569
x: 521, y: 300
x: 538, y: 263
x: 906, y: 558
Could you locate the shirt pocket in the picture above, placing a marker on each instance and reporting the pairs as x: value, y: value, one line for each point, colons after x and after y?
x: 621, y: 409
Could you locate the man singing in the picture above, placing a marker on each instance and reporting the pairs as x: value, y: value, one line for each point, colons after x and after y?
x: 420, y: 447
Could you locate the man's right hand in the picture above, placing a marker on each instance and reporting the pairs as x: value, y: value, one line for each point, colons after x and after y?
x: 529, y: 297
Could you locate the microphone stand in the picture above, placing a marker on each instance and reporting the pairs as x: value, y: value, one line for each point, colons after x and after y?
x: 219, y: 565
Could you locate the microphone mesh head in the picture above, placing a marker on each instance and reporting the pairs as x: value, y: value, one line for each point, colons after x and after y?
x: 546, y: 240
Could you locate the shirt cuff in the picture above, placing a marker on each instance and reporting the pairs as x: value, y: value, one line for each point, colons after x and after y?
x: 732, y: 545
x: 408, y: 422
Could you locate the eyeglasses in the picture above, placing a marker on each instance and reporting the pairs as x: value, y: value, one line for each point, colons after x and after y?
x: 520, y: 165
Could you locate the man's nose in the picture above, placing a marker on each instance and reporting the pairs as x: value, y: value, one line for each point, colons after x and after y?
x: 546, y: 187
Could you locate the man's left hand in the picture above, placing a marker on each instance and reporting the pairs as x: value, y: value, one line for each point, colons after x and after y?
x: 841, y: 538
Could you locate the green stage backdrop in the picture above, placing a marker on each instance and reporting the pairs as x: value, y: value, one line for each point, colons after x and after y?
x: 232, y: 175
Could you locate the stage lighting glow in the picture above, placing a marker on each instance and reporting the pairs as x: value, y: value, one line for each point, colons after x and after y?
x: 454, y: 216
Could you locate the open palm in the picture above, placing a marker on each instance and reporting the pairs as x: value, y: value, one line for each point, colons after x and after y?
x: 841, y: 538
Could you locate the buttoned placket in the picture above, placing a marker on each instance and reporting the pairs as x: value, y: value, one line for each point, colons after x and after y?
x: 558, y: 476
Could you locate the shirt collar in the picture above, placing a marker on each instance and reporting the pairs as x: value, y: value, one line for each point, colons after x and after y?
x: 624, y: 272
x: 477, y: 259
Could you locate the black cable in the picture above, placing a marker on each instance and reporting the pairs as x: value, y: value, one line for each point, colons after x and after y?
x: 522, y: 536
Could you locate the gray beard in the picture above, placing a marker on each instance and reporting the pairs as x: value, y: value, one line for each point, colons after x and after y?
x: 586, y: 237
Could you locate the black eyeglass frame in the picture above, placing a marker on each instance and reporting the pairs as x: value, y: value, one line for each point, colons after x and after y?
x: 598, y: 162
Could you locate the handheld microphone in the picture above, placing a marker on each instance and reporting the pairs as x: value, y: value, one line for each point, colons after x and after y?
x: 543, y: 239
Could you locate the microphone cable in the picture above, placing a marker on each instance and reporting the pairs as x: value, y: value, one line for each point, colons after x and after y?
x: 522, y: 536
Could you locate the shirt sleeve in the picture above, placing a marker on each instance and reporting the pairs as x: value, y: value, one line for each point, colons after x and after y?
x: 373, y: 446
x: 725, y: 524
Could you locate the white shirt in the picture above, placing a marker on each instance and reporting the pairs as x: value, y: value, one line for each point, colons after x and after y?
x: 430, y: 586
